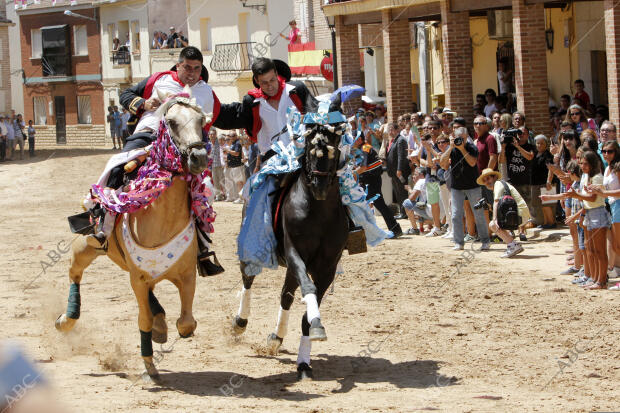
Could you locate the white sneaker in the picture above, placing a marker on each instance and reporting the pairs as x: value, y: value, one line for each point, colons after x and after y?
x: 435, y: 232
x: 458, y: 247
x: 511, y: 252
x: 447, y: 235
x: 238, y: 201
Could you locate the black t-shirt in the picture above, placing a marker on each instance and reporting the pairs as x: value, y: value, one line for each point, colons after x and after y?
x: 234, y: 161
x: 519, y: 168
x: 539, y: 167
x: 463, y: 175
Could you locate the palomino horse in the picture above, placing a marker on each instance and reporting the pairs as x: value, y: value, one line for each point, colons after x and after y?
x: 151, y: 229
x: 311, y: 235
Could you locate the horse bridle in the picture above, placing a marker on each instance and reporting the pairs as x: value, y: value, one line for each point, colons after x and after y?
x: 312, y: 173
x: 196, y: 145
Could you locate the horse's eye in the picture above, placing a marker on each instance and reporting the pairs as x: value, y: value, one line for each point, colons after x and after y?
x: 172, y: 122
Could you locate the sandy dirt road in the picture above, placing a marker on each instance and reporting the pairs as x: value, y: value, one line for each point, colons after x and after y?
x: 412, y: 325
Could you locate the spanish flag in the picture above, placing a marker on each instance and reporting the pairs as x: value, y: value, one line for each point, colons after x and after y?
x: 304, y: 59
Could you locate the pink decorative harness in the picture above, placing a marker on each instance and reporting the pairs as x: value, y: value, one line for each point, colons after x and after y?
x: 155, y: 176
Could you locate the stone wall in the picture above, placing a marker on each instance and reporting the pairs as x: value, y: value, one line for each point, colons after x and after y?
x: 84, y: 136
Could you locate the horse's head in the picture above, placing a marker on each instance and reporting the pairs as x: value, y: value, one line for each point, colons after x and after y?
x: 185, y: 119
x: 322, y: 154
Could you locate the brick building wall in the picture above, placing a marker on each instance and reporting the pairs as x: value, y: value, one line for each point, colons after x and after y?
x: 531, y: 64
x: 612, y: 38
x: 398, y: 91
x: 457, y: 61
x: 322, y: 35
x: 371, y: 35
x: 349, y: 67
x: 5, y: 69
x: 90, y: 65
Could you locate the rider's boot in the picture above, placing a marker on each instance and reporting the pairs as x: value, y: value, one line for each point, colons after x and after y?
x: 206, y: 267
x: 102, y: 231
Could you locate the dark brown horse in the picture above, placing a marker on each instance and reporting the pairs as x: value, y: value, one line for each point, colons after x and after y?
x: 311, y: 234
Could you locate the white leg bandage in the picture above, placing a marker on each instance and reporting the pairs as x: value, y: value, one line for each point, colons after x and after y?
x: 244, y: 306
x: 305, y: 346
x: 282, y: 326
x: 312, y: 307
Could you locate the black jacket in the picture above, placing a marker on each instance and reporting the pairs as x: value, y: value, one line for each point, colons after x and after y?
x: 396, y: 159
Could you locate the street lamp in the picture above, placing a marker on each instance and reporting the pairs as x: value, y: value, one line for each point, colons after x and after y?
x: 80, y: 16
x: 331, y: 23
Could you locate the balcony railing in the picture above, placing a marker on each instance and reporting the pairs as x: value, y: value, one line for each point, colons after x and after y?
x: 232, y: 57
x: 121, y: 57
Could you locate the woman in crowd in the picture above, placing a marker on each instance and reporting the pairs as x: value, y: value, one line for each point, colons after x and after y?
x: 495, y: 119
x: 577, y: 115
x: 587, y: 134
x: 611, y: 189
x: 596, y: 220
x: 569, y: 144
x: 542, y: 177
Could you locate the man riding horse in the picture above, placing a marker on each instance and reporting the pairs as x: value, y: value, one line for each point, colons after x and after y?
x: 142, y: 101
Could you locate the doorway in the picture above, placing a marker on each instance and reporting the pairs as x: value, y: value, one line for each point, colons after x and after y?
x: 61, y: 121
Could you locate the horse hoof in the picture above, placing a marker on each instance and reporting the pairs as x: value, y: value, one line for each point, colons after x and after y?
x: 160, y: 329
x: 273, y: 343
x: 151, y: 375
x: 304, y: 372
x: 317, y: 331
x: 238, y: 325
x: 64, y: 323
x: 148, y: 379
x: 186, y: 333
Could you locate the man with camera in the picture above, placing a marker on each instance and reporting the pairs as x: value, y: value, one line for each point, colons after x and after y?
x: 504, y: 218
x: 461, y: 157
x: 518, y: 153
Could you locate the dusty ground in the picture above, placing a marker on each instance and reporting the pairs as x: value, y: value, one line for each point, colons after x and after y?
x: 412, y: 325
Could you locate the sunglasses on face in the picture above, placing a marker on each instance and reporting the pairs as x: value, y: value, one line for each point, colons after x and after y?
x: 607, y: 151
x: 440, y: 142
x: 575, y: 114
x: 608, y: 130
x: 567, y: 138
x: 479, y: 123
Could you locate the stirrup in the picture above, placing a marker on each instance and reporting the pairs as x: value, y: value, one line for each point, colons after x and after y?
x: 356, y: 242
x: 206, y: 268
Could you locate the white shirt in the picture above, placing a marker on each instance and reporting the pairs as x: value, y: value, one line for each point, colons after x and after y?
x: 489, y: 109
x: 166, y: 84
x: 611, y: 183
x: 273, y: 121
x: 504, y: 86
x: 3, y: 130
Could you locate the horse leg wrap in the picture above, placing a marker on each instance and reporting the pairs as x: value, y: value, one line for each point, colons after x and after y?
x: 156, y: 308
x: 146, y: 345
x: 74, y: 302
x: 312, y: 307
x: 244, y: 306
x: 282, y: 326
x: 305, y: 346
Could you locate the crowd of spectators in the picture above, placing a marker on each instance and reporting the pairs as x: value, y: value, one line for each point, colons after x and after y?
x: 171, y: 40
x: 234, y: 158
x: 13, y: 134
x: 455, y: 180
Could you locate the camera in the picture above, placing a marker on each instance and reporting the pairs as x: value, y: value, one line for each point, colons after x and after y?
x: 481, y: 204
x: 458, y: 141
x: 426, y: 137
x: 510, y: 135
